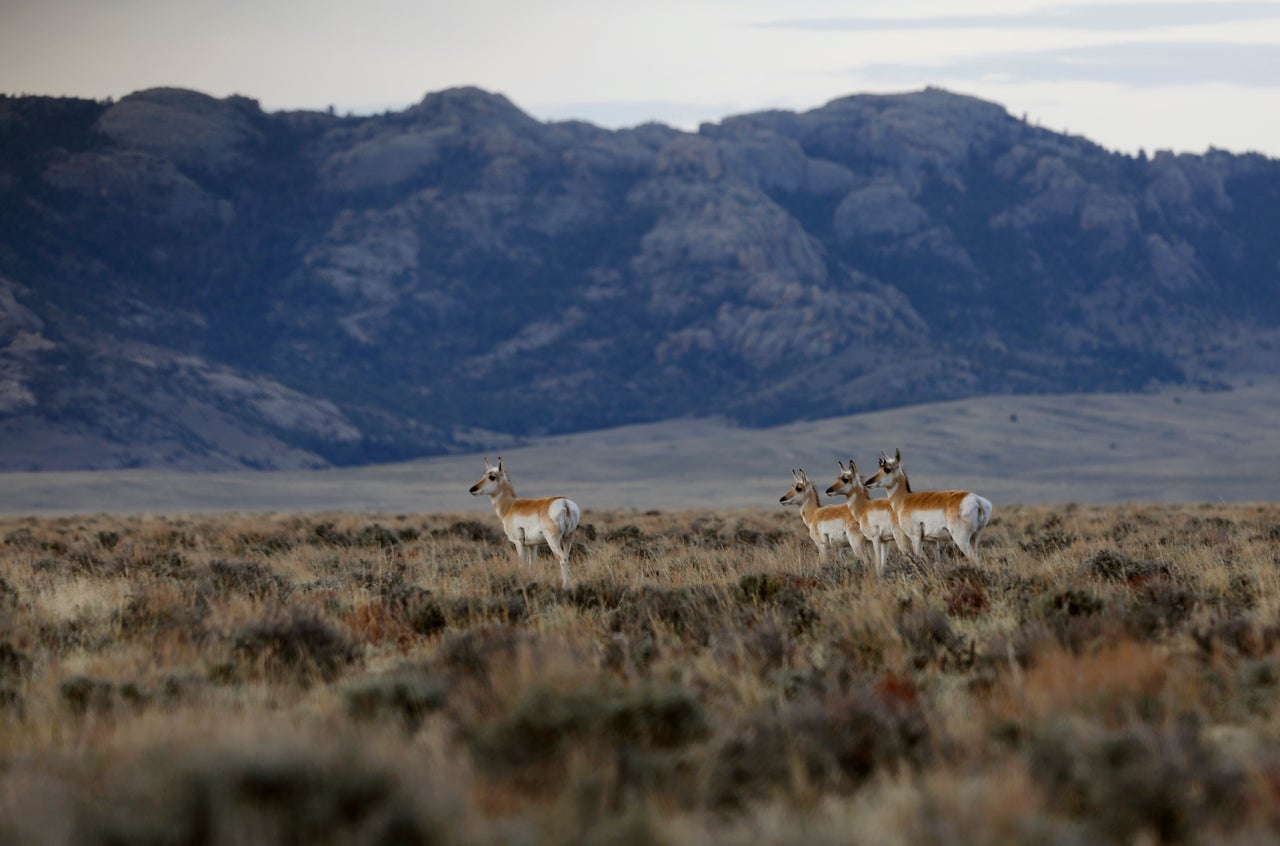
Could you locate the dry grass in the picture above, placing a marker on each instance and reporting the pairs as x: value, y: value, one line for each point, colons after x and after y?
x: 1109, y: 674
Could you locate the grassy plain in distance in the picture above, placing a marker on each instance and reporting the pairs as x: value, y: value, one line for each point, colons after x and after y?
x: 1185, y: 446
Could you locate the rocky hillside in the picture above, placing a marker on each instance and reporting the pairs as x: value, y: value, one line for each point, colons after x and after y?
x: 192, y: 282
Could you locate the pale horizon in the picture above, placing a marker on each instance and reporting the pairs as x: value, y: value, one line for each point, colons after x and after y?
x: 1146, y: 75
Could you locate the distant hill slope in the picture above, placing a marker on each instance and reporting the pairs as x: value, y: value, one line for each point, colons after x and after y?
x: 1180, y: 446
x: 194, y: 283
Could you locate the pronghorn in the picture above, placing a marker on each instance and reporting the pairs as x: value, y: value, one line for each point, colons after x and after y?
x: 873, y: 517
x: 530, y: 523
x: 958, y: 516
x: 829, y: 525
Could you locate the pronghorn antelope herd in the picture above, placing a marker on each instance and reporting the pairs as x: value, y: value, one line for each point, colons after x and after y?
x: 907, y: 518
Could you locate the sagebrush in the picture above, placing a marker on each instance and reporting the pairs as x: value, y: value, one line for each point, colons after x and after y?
x: 1104, y: 674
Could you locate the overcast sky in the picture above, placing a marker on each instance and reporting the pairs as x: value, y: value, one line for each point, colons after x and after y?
x: 1146, y: 74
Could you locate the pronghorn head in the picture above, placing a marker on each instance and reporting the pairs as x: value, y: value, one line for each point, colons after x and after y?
x: 492, y: 479
x: 848, y: 482
x: 889, y: 474
x: 795, y: 493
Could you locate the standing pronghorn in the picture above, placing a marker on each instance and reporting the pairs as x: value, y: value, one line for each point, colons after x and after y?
x: 530, y: 523
x: 958, y: 516
x: 829, y: 525
x: 873, y: 518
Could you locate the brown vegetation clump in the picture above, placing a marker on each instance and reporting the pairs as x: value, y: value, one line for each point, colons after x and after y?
x: 1105, y: 675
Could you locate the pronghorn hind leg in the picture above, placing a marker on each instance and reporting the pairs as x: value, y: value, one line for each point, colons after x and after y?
x: 560, y: 547
x: 564, y: 569
x: 554, y: 541
x: 967, y: 549
x: 973, y: 541
x: 965, y: 540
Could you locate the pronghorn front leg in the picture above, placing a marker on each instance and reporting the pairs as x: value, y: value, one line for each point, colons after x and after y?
x: 821, y: 543
x: 880, y: 552
x: 917, y: 539
x: 902, y: 540
x: 522, y: 548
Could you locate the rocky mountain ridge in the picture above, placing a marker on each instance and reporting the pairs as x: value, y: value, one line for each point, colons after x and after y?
x: 195, y: 283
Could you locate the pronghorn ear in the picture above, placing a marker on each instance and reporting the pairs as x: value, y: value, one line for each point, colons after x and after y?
x: 499, y: 467
x: 897, y: 454
x: 841, y: 463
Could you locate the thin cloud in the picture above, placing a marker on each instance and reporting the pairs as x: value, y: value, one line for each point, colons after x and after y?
x: 1139, y: 64
x: 1120, y: 17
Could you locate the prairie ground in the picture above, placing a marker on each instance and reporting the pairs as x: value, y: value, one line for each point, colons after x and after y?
x: 1107, y: 674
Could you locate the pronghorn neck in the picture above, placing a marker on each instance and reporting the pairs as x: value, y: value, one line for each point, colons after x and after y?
x: 898, y: 487
x: 808, y: 504
x: 503, y: 497
x: 856, y: 496
x: 859, y: 497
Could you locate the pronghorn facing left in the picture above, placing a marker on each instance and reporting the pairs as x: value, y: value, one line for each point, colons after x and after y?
x: 830, y: 526
x: 873, y: 517
x: 530, y: 523
x: 958, y: 516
